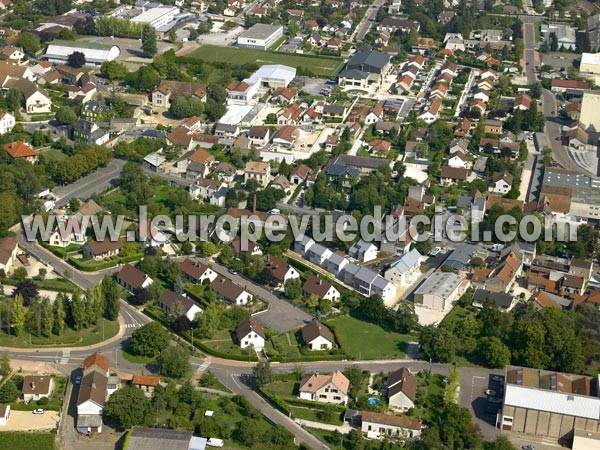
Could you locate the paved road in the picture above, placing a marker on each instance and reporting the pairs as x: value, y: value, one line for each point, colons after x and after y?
x: 365, y: 24
x: 282, y: 316
x: 95, y: 183
x: 549, y: 103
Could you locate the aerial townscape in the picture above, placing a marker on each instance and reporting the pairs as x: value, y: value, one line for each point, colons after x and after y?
x: 299, y: 224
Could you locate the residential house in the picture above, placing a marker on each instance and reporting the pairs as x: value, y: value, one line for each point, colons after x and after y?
x: 581, y: 268
x: 378, y: 425
x: 283, y: 95
x: 230, y: 292
x: 331, y: 388
x: 21, y: 150
x: 522, y: 102
x: 505, y: 274
x: 379, y: 146
x: 259, y: 171
x: 149, y: 235
x: 178, y: 305
x: 132, y: 278
x: 82, y: 94
x: 317, y: 336
x: 37, y: 101
x: 103, y: 249
x: 504, y: 302
x: 300, y: 174
x: 225, y: 172
x: 245, y: 247
x: 363, y: 251
x: 493, y: 126
x: 459, y: 160
x: 90, y: 402
x: 320, y: 288
x: 249, y: 333
x: 37, y: 387
x: 401, y: 270
x: 146, y: 383
x: 450, y: 175
x: 577, y: 138
x: 459, y: 145
x: 336, y: 264
x: 318, y: 254
x: 560, y: 86
x: 401, y: 389
x: 168, y: 90
x: 259, y: 136
x: 573, y: 284
x: 7, y: 122
x: 197, y: 272
x: 502, y: 182
x: 4, y: 414
x: 431, y: 113
x: 280, y: 271
x: 285, y: 136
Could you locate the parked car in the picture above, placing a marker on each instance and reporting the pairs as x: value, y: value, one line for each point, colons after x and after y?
x: 214, y: 442
x: 233, y: 272
x: 78, y: 379
x: 436, y: 251
x: 38, y: 411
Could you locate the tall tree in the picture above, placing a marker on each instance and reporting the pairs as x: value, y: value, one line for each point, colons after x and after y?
x: 111, y: 293
x: 48, y: 322
x: 262, y: 374
x: 17, y: 315
x: 128, y: 407
x: 149, y: 45
x: 78, y: 312
x: 58, y: 325
x: 149, y: 340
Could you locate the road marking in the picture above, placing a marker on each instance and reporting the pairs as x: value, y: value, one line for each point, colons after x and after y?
x: 235, y: 381
x: 66, y: 354
x: 202, y: 367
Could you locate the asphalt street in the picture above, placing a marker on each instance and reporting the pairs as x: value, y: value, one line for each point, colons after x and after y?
x: 95, y: 183
x: 365, y: 25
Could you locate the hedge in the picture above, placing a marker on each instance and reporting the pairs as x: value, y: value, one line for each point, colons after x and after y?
x: 101, y: 265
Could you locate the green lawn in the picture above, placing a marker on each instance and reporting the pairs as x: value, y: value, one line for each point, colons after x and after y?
x: 364, y: 340
x: 430, y: 397
x: 282, y: 347
x: 285, y: 387
x: 136, y: 359
x: 70, y: 337
x: 53, y: 154
x: 29, y: 441
x: 303, y: 413
x: 320, y: 66
x: 227, y: 347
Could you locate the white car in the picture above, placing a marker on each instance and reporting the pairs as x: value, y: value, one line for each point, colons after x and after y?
x: 436, y: 251
x: 38, y: 411
x: 214, y: 442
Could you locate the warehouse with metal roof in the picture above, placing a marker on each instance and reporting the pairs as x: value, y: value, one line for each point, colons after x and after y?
x: 58, y: 51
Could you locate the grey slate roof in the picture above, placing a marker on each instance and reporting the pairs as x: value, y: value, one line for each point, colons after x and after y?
x: 372, y: 61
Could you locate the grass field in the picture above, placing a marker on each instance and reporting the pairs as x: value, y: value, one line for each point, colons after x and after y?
x: 70, y: 337
x: 53, y: 154
x: 29, y: 441
x: 320, y: 66
x: 364, y: 340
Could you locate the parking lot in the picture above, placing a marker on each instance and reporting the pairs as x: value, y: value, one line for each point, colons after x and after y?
x: 313, y: 86
x: 559, y: 60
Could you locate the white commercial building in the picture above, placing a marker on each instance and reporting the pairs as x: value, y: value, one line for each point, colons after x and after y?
x: 589, y: 110
x: 58, y: 51
x: 157, y: 17
x: 440, y: 289
x: 260, y: 36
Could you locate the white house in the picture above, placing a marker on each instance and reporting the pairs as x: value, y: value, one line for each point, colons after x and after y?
x: 459, y: 160
x: 173, y: 303
x: 67, y: 232
x: 363, y: 251
x: 36, y: 387
x: 90, y: 402
x: 7, y: 122
x: 249, y: 333
x: 197, y: 272
x: 501, y: 182
x: 36, y: 100
x: 317, y: 336
x: 8, y: 253
x: 400, y: 271
x: 401, y: 387
x: 4, y: 414
x: 280, y: 270
x: 378, y: 425
x: 230, y: 292
x: 132, y: 278
x: 323, y: 289
x: 318, y: 254
x: 331, y: 388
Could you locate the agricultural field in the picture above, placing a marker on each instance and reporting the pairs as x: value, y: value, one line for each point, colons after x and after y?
x: 29, y: 441
x: 319, y: 66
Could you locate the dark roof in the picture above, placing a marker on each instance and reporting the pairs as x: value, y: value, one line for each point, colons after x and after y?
x: 159, y: 439
x: 226, y: 288
x: 369, y: 61
x: 352, y: 165
x: 402, y: 380
x: 131, y: 276
x: 276, y: 267
x: 93, y: 387
x: 501, y: 299
x: 316, y: 286
x: 246, y: 326
x: 170, y: 299
x: 354, y: 74
x: 100, y: 247
x: 195, y: 269
x: 389, y: 419
x: 455, y: 173
x: 314, y: 329
x: 36, y: 385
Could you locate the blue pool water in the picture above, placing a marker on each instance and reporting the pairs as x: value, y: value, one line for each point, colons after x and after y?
x: 373, y: 401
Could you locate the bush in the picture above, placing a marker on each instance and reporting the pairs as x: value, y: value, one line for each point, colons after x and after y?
x: 43, y: 401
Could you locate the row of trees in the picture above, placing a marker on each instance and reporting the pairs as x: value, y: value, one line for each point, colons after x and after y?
x: 82, y: 163
x: 552, y: 339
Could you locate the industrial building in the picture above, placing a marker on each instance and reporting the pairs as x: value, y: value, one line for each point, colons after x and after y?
x: 440, y: 289
x: 58, y: 51
x: 550, y: 404
x: 157, y: 17
x: 260, y: 36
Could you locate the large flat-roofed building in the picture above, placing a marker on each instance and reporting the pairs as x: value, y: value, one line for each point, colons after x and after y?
x: 440, y: 290
x: 549, y: 404
x: 157, y: 17
x: 589, y: 110
x: 582, y: 191
x: 58, y: 51
x: 260, y: 36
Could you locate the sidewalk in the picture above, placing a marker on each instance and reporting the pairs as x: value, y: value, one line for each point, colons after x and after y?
x: 344, y: 429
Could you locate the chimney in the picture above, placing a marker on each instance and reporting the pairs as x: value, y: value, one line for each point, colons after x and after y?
x: 32, y: 385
